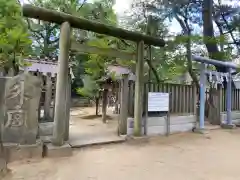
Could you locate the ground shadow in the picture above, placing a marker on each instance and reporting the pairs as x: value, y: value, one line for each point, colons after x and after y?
x: 91, y: 117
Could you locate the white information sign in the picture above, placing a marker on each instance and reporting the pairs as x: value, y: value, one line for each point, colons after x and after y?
x: 158, y: 101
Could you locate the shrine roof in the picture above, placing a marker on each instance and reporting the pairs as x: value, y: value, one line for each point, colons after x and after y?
x: 118, y: 71
x: 43, y: 65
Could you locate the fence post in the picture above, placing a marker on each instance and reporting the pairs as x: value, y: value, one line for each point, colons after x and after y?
x: 237, y: 91
x: 220, y: 99
x: 146, y: 89
x: 195, y: 99
x: 183, y: 98
x: 131, y: 99
x: 124, y: 105
x: 48, y: 97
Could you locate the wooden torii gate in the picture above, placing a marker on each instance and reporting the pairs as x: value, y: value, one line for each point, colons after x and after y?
x: 67, y: 21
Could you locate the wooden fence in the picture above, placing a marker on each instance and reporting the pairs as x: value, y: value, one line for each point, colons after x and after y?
x: 235, y: 100
x: 183, y: 98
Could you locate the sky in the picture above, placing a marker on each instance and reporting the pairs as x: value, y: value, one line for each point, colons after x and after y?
x: 124, y: 5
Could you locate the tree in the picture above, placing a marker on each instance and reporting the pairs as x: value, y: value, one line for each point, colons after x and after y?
x: 95, y: 66
x: 45, y: 35
x: 226, y: 17
x: 14, y: 39
x: 192, y: 15
x: 145, y: 18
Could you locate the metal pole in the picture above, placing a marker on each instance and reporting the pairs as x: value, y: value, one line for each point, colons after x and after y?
x: 202, y: 97
x: 146, y: 88
x: 168, y: 115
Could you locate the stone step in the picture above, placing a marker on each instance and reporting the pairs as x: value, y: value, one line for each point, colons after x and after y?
x: 78, y: 143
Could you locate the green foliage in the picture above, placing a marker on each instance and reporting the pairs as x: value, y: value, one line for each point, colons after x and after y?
x: 90, y: 88
x: 14, y: 39
x: 45, y: 35
x: 169, y: 61
x: 95, y: 65
x: 173, y: 60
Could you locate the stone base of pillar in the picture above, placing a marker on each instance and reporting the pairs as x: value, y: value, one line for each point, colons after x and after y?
x: 228, y: 126
x: 199, y: 131
x: 57, y: 151
x: 4, y: 171
x: 16, y: 152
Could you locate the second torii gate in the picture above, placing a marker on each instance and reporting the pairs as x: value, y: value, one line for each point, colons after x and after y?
x: 230, y: 66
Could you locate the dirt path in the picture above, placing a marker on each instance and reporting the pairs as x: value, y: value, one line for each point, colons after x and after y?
x: 179, y: 157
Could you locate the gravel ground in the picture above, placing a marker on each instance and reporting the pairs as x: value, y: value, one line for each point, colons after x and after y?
x: 185, y: 156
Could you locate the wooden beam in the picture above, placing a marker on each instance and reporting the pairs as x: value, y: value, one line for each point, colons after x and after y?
x: 81, y: 23
x: 83, y: 48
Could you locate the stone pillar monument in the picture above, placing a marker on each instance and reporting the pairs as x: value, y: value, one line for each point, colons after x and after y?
x: 3, y: 161
x: 60, y: 117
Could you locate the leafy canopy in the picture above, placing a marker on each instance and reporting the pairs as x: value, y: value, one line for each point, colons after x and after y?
x: 14, y: 38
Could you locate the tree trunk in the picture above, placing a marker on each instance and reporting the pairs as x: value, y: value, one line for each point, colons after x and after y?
x: 15, y: 67
x: 214, y: 53
x: 187, y: 32
x: 97, y: 105
x: 208, y: 31
x: 104, y: 105
x: 214, y: 108
x: 150, y: 31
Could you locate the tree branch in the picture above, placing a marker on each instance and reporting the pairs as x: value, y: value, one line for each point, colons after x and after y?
x: 32, y: 30
x: 53, y: 27
x: 221, y: 32
x: 187, y: 32
x: 228, y: 27
x: 230, y: 32
x: 149, y: 31
x: 82, y: 5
